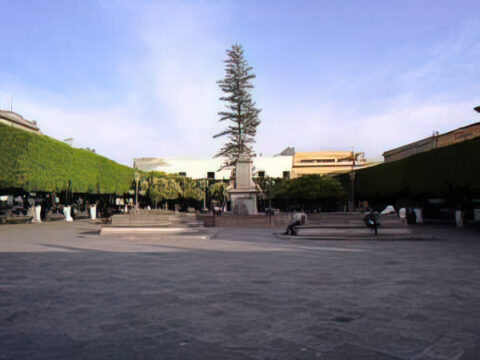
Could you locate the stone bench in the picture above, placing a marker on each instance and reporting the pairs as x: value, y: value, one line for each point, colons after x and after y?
x: 347, y: 231
x: 350, y: 225
x: 19, y: 219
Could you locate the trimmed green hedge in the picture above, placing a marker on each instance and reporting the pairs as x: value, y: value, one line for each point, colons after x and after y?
x: 450, y: 169
x: 36, y: 162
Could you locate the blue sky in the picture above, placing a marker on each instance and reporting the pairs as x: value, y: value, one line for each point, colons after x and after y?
x: 134, y: 79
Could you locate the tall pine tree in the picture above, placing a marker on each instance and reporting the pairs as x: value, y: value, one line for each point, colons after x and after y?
x: 241, y: 110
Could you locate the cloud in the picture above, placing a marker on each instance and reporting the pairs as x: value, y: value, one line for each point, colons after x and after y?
x: 171, y: 105
x: 434, y: 94
x: 183, y: 60
x: 324, y: 127
x: 167, y: 100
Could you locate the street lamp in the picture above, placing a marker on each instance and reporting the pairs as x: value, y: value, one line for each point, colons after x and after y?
x: 137, y: 179
x: 477, y: 109
x: 352, y: 178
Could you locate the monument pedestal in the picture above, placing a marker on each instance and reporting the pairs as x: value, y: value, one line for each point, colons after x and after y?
x: 243, y: 202
x: 243, y: 196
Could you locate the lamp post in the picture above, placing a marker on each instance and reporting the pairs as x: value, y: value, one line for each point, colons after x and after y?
x: 352, y: 178
x: 137, y: 179
x: 352, y: 198
x: 204, y: 194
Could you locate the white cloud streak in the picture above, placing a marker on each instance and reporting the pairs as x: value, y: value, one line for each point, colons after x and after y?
x: 171, y: 106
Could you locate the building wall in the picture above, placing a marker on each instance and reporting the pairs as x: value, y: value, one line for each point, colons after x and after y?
x: 459, y: 135
x: 302, y: 163
x: 272, y: 166
x: 449, y: 138
x: 18, y: 126
x: 409, y: 150
x: 18, y: 121
x: 194, y: 168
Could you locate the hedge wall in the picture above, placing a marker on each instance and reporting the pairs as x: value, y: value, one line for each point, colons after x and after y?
x: 37, y: 162
x: 447, y: 170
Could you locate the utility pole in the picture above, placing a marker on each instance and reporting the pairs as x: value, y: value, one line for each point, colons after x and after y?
x: 137, y: 178
x: 352, y: 178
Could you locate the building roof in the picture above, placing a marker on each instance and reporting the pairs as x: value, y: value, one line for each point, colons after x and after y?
x: 324, y: 154
x: 426, y: 140
x: 18, y: 119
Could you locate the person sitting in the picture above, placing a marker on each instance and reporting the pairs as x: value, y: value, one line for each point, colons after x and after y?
x: 298, y: 218
x: 372, y: 220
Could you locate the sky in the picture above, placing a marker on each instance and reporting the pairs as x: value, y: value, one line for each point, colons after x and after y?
x: 138, y: 78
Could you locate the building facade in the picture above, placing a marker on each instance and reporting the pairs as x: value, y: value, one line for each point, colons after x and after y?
x: 272, y: 166
x: 291, y: 165
x: 435, y: 141
x: 18, y: 121
x: 326, y: 162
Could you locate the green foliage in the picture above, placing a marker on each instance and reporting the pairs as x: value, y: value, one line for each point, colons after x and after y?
x: 218, y: 191
x: 447, y: 170
x: 191, y: 189
x: 309, y: 188
x: 160, y: 186
x: 240, y: 109
x: 37, y: 162
x: 269, y: 185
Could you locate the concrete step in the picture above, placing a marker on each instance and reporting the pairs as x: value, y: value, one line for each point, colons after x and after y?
x: 153, y: 222
x: 146, y: 229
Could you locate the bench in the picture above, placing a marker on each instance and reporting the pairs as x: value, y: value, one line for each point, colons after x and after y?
x: 19, y: 219
x: 351, y: 224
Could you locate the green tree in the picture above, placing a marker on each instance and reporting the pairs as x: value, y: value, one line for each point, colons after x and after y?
x: 191, y: 190
x: 241, y: 111
x: 310, y: 190
x: 269, y: 186
x: 160, y: 187
x: 218, y: 192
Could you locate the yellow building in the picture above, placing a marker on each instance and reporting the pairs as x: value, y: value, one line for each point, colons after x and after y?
x: 326, y: 162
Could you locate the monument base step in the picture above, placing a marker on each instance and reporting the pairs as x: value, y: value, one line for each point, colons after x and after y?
x: 147, y: 229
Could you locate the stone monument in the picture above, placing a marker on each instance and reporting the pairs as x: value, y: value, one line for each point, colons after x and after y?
x: 243, y: 195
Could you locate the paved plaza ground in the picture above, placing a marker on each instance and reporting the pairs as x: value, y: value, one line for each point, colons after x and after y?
x: 68, y: 293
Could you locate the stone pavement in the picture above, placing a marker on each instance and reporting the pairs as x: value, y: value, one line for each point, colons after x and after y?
x: 68, y: 293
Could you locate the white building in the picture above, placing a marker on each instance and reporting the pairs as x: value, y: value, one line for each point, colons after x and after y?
x: 18, y: 121
x: 273, y: 166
